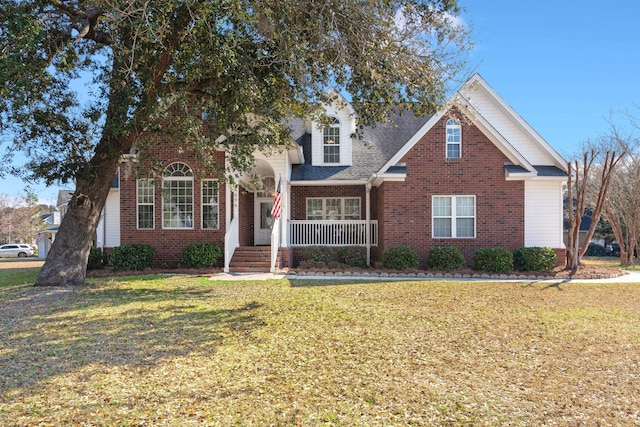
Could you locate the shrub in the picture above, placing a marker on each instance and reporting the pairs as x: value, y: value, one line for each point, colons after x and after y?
x: 201, y: 254
x: 97, y: 258
x: 319, y: 254
x: 496, y: 260
x: 595, y: 249
x: 353, y: 256
x: 399, y: 258
x: 534, y: 259
x: 133, y: 256
x: 445, y: 258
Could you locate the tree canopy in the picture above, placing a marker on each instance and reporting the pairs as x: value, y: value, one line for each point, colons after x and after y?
x: 76, y: 73
x: 87, y: 81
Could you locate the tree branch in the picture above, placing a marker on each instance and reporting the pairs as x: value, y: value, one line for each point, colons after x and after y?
x: 85, y: 23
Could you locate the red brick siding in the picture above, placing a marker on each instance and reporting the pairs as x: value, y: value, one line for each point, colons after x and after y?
x: 405, y: 207
x: 168, y: 244
x: 299, y: 195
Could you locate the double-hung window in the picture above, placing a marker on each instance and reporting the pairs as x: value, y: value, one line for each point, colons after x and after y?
x: 334, y: 208
x: 454, y: 216
x: 210, y: 206
x: 177, y: 196
x: 454, y: 139
x: 145, y: 193
x: 331, y: 142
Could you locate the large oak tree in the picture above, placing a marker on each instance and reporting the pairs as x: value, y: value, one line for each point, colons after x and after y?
x: 85, y: 81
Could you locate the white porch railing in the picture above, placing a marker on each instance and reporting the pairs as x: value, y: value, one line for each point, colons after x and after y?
x: 275, y: 244
x: 231, y: 242
x: 332, y: 233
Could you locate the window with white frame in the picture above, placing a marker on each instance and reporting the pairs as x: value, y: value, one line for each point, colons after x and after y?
x: 454, y: 139
x: 177, y: 196
x: 210, y: 207
x: 334, y: 208
x: 331, y: 142
x: 454, y: 216
x: 145, y: 193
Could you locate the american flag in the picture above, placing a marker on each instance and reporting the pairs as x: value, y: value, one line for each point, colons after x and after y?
x: 277, y: 202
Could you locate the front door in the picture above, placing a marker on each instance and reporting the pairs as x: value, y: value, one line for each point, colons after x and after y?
x: 263, y: 221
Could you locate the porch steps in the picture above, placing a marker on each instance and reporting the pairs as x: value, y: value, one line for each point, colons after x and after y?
x: 251, y: 259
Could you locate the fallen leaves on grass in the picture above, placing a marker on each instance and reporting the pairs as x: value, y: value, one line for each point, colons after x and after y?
x: 183, y: 351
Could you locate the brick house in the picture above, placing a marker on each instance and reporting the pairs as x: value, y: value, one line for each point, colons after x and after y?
x: 473, y: 175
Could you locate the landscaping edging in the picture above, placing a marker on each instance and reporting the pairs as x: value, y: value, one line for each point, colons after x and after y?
x: 439, y: 275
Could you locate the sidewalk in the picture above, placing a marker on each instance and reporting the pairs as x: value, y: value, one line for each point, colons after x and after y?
x: 630, y: 277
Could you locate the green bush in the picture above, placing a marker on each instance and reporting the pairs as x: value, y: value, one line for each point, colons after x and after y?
x: 534, y: 259
x: 133, y: 256
x: 353, y: 256
x: 445, y: 258
x: 496, y: 260
x: 399, y: 258
x: 201, y: 254
x: 595, y: 249
x: 97, y: 259
x: 319, y: 254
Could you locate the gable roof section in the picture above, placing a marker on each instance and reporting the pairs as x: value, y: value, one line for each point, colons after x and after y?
x: 514, y: 128
x: 370, y: 152
x: 505, y: 130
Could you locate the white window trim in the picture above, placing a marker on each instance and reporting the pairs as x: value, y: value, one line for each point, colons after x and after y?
x: 453, y: 217
x: 342, y: 207
x: 453, y: 124
x: 152, y: 204
x: 336, y: 124
x: 178, y: 178
x: 203, y: 204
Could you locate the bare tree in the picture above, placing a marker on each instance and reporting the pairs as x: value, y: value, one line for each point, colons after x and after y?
x: 18, y: 219
x: 594, y: 170
x: 622, y: 207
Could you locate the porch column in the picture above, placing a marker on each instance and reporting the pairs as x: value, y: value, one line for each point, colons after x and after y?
x: 284, y: 213
x: 236, y: 202
x: 227, y: 213
x: 368, y: 222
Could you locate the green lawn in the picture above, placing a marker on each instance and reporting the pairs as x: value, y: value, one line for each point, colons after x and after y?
x: 608, y: 262
x: 189, y: 351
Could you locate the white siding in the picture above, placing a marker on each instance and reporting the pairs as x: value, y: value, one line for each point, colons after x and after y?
x: 521, y: 141
x: 347, y: 127
x: 112, y: 220
x: 543, y: 214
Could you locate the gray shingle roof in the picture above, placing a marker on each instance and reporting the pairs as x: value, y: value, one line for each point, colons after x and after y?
x: 541, y: 170
x: 370, y: 152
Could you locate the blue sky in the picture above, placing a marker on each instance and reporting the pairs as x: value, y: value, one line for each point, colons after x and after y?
x: 563, y: 65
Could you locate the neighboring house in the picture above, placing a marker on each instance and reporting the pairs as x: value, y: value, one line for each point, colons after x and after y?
x: 107, y: 231
x: 474, y: 175
x: 51, y: 222
x: 585, y: 224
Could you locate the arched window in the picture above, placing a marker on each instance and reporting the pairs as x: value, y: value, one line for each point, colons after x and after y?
x: 331, y: 141
x: 454, y: 139
x: 177, y: 196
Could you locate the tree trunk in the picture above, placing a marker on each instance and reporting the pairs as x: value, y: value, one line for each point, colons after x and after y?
x: 66, y: 263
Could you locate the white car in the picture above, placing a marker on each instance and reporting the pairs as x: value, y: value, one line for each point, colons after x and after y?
x: 15, y: 250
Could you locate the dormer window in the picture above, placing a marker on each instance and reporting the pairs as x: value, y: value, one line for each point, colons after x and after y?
x: 454, y: 139
x: 331, y: 142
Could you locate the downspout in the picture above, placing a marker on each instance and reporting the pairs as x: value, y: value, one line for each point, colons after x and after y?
x: 368, y: 222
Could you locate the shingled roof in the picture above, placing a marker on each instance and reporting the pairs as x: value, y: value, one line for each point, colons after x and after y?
x: 370, y: 152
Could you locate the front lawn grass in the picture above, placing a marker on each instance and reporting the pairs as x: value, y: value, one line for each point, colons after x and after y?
x: 608, y: 262
x: 18, y: 276
x: 189, y: 351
